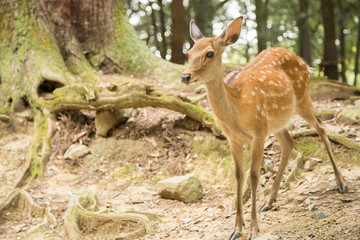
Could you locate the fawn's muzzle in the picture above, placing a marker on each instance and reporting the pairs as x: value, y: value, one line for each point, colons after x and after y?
x: 185, y: 78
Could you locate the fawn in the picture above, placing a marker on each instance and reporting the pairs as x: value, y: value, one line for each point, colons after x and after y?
x: 251, y: 104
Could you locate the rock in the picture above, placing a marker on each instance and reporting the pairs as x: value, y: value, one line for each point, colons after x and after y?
x: 27, y: 114
x: 320, y: 215
x: 267, y: 237
x: 189, y: 123
x: 357, y: 104
x: 200, y: 89
x: 349, y: 116
x: 334, y: 129
x: 106, y: 120
x: 324, y: 114
x: 290, y: 127
x: 183, y: 188
x: 299, y: 199
x: 189, y: 168
x: 5, y: 118
x: 76, y: 151
x: 268, y: 166
x: 309, y: 165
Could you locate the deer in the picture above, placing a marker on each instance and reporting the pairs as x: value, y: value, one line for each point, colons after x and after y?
x: 251, y: 104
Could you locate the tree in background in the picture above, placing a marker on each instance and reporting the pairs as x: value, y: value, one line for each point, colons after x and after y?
x: 261, y: 12
x: 178, y: 32
x: 357, y: 55
x: 330, y: 57
x: 304, y: 31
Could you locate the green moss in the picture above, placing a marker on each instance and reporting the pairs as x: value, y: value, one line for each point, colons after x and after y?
x: 313, y: 147
x: 214, y: 163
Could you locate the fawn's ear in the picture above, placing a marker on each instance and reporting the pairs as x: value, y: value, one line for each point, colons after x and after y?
x: 231, y: 34
x: 195, y: 32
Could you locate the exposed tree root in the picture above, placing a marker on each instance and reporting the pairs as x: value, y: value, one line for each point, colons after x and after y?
x: 332, y: 137
x: 21, y: 205
x: 296, y: 168
x: 39, y: 151
x: 82, y: 219
x: 126, y: 94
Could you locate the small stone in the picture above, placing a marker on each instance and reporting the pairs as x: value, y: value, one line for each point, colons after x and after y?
x: 308, y: 165
x: 164, y: 126
x: 268, y: 166
x: 290, y: 127
x: 312, y: 207
x: 76, y: 151
x: 299, y: 199
x: 189, y: 168
x: 268, y: 237
x: 200, y: 89
x: 183, y: 188
x: 131, y: 120
x: 320, y: 215
x: 307, y: 201
x: 334, y: 129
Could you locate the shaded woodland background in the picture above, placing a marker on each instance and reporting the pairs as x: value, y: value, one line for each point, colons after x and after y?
x: 325, y: 33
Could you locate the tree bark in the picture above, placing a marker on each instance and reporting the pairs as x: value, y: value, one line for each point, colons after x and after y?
x: 261, y: 21
x: 330, y: 55
x: 52, y: 53
x: 357, y: 55
x: 304, y: 32
x: 342, y: 40
x: 204, y: 14
x: 178, y: 32
x: 163, y: 49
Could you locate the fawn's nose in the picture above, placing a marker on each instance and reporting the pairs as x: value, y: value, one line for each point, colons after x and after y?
x: 185, y: 78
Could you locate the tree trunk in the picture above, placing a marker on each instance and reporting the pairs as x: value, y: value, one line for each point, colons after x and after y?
x: 204, y: 14
x: 178, y: 32
x: 357, y: 55
x: 51, y: 55
x: 163, y: 49
x: 330, y: 56
x: 342, y: 40
x: 261, y: 21
x: 304, y: 32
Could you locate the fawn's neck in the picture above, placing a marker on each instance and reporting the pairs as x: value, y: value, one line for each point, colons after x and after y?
x: 219, y: 99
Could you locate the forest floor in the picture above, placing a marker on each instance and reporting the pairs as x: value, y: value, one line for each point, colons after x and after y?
x: 123, y: 169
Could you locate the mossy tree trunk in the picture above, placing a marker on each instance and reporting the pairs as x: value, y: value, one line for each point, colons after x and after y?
x: 49, y: 45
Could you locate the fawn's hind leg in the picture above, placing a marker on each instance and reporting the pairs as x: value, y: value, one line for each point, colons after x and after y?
x: 306, y: 110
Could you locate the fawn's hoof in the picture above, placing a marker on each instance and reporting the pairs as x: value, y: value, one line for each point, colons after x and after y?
x: 264, y: 208
x: 342, y: 189
x: 235, y: 235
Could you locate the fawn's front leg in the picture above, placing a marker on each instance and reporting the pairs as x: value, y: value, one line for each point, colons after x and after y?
x: 237, y: 152
x: 257, y: 151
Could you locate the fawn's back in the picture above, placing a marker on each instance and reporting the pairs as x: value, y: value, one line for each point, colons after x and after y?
x: 270, y: 87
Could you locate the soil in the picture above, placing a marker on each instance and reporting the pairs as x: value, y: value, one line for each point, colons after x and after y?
x: 122, y: 170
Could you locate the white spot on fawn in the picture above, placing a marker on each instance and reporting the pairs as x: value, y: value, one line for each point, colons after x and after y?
x: 258, y: 107
x: 253, y: 93
x: 275, y: 105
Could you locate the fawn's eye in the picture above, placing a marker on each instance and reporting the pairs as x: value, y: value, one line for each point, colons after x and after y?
x: 210, y: 54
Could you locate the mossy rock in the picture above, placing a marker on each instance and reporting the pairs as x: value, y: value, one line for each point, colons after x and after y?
x: 349, y: 116
x: 186, y: 188
x: 331, y: 90
x: 324, y: 114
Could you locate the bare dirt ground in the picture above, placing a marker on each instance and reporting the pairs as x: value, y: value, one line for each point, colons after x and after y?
x: 122, y: 170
